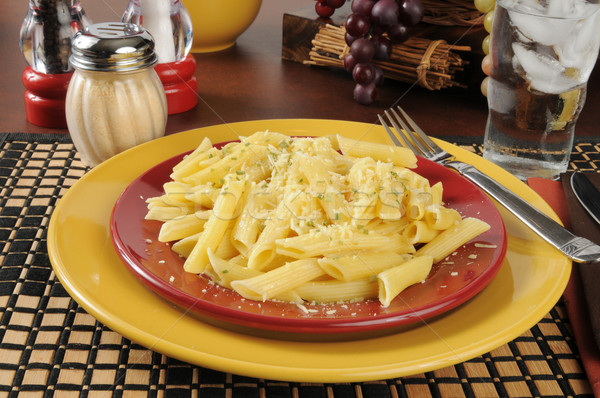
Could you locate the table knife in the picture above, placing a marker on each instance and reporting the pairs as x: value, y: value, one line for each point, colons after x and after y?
x: 587, y: 194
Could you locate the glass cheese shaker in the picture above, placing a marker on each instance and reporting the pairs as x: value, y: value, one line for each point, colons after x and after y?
x: 115, y: 99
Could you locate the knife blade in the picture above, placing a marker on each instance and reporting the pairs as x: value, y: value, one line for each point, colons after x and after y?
x: 587, y: 194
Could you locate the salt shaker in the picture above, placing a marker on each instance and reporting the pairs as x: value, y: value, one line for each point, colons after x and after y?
x: 170, y: 25
x: 115, y: 99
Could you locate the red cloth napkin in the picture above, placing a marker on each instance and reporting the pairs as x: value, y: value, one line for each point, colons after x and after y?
x: 552, y: 192
x: 584, y: 225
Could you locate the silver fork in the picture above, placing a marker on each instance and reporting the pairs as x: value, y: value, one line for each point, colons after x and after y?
x: 576, y: 248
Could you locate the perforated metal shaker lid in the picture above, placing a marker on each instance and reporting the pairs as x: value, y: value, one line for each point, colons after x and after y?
x: 113, y: 46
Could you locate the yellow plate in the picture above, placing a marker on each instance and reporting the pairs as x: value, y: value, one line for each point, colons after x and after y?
x: 530, y: 282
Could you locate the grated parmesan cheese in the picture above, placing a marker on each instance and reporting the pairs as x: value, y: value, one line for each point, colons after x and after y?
x: 485, y: 246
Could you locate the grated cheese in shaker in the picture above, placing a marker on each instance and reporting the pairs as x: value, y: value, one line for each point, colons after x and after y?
x: 115, y: 99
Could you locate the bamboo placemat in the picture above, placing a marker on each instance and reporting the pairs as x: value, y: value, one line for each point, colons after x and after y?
x: 49, y: 346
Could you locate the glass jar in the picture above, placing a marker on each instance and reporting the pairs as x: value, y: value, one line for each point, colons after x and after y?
x: 115, y: 99
x: 47, y: 31
x: 169, y: 23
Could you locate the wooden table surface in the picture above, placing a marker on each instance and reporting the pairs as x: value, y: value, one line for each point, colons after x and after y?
x: 251, y: 81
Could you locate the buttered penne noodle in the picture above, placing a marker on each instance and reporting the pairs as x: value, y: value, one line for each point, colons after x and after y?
x: 454, y: 237
x: 216, y: 226
x: 399, y: 156
x: 352, y: 267
x: 184, y: 226
x: 315, y: 220
x: 394, y: 280
x: 333, y: 291
x: 279, y: 280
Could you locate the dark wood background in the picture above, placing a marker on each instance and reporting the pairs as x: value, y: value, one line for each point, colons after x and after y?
x: 251, y: 81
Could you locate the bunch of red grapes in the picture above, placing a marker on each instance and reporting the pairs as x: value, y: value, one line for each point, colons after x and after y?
x: 371, y: 29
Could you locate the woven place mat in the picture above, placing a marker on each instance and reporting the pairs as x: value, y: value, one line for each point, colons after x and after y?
x: 48, y: 344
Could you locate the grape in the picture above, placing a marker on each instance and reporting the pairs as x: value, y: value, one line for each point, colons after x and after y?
x: 411, y: 12
x: 486, y: 64
x: 383, y: 47
x: 485, y: 5
x: 365, y: 94
x: 326, y: 8
x: 363, y: 6
x: 363, y: 73
x: 358, y: 25
x: 385, y: 12
x: 323, y: 10
x: 484, y: 86
x: 335, y: 3
x: 488, y: 21
x: 349, y: 62
x: 486, y: 45
x: 362, y: 50
x: 349, y: 38
x: 398, y: 33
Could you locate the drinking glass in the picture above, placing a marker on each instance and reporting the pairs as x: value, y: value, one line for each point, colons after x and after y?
x: 542, y: 55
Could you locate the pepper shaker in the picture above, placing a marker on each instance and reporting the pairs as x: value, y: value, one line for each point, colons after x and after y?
x: 115, y: 99
x: 45, y: 41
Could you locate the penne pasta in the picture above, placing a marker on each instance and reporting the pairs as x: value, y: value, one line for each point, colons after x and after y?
x: 437, y: 191
x: 280, y: 280
x: 246, y: 232
x: 226, y: 249
x: 454, y: 237
x: 410, y: 179
x: 264, y: 250
x: 184, y: 246
x: 338, y: 291
x: 216, y: 226
x: 386, y: 227
x: 394, y: 280
x: 324, y: 187
x: 267, y: 138
x: 397, y: 155
x: 181, y: 227
x: 293, y: 219
x: 328, y: 241
x: 203, y: 195
x: 197, y: 162
x: 416, y: 203
x: 349, y: 268
x: 216, y: 172
x: 419, y: 232
x: 166, y: 213
x: 204, y: 146
x: 226, y: 272
x: 441, y: 218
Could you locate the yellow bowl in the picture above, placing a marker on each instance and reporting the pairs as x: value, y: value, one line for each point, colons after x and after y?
x: 217, y: 24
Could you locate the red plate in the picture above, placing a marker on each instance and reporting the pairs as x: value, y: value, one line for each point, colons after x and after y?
x: 449, y: 284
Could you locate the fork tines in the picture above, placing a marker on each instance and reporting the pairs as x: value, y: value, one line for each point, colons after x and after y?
x: 412, y: 136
